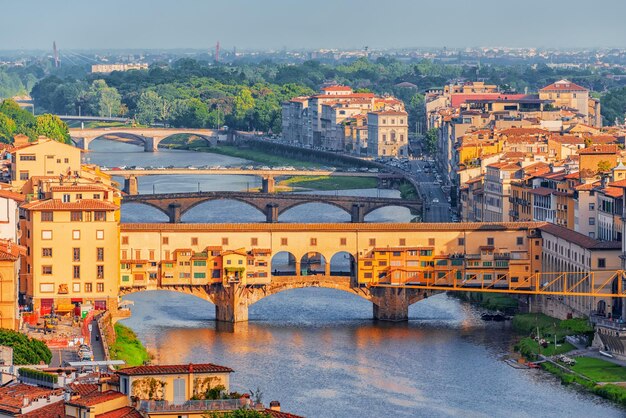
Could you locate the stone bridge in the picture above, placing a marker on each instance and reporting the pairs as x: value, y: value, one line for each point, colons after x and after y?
x: 149, y: 137
x: 232, y: 301
x: 174, y: 205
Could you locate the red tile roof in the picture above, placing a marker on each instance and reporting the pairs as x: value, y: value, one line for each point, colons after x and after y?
x: 599, y: 149
x: 579, y: 239
x: 10, y: 250
x: 457, y: 99
x: 12, y: 397
x: 83, y: 389
x: 337, y: 88
x: 542, y: 191
x: 96, y: 398
x: 563, y: 85
x: 620, y: 183
x: 279, y: 414
x: 174, y: 369
x: 79, y: 188
x: 54, y: 410
x: 18, y: 197
x: 126, y: 412
x: 57, y: 204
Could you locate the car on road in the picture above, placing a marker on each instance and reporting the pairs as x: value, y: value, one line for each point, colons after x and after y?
x: 435, y: 200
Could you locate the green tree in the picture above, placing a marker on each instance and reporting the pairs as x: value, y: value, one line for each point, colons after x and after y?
x: 25, y: 350
x: 52, y: 127
x: 430, y: 141
x: 149, y: 108
x: 7, y: 129
x: 104, y: 100
x: 191, y: 113
x: 244, y: 102
x: 604, y: 166
x: 25, y: 122
x: 239, y: 413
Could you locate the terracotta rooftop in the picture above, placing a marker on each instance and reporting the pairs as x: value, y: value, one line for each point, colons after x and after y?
x: 563, y: 85
x: 337, y: 88
x: 12, y: 397
x: 18, y: 197
x: 125, y: 412
x: 613, y: 191
x: 96, y: 398
x: 57, y: 204
x: 79, y: 188
x: 599, y: 149
x: 542, y: 191
x: 54, y: 410
x: 10, y: 251
x: 579, y: 239
x: 83, y: 389
x: 279, y: 414
x: 174, y: 369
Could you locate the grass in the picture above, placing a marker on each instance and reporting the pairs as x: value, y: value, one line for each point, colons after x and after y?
x: 549, y: 326
x: 127, y: 347
x: 599, y: 370
x: 331, y: 183
x: 530, y: 348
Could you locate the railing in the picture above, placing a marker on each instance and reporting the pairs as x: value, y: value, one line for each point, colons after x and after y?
x: 616, y: 324
x: 198, y: 405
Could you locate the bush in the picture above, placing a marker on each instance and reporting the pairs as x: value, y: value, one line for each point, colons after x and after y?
x: 127, y: 347
x: 38, y: 375
x: 25, y: 350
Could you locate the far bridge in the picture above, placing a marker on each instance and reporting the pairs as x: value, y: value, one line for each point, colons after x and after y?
x: 150, y: 138
x: 174, y: 205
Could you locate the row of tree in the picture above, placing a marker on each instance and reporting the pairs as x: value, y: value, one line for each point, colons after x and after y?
x: 14, y: 121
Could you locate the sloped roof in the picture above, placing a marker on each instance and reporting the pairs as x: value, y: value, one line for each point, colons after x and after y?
x: 174, y: 369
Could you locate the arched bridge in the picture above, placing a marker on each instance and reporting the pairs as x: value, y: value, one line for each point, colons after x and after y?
x: 149, y: 137
x: 174, y: 205
x: 232, y: 302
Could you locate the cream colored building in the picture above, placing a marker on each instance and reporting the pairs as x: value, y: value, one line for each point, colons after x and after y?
x: 42, y: 158
x: 71, y: 237
x: 388, y: 134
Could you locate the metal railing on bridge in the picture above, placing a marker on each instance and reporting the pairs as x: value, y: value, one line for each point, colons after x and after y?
x: 591, y: 284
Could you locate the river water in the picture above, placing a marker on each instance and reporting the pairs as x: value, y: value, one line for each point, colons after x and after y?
x: 318, y: 351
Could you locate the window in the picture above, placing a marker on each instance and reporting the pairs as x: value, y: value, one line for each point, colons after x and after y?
x: 372, y: 242
x: 592, y: 221
x: 224, y: 241
x: 396, y: 253
x: 461, y: 241
x: 490, y: 241
x: 76, y: 272
x: 76, y: 216
x: 592, y: 206
x: 426, y: 253
x: 79, y: 196
x: 88, y: 287
x: 431, y: 241
x: 601, y: 263
x: 99, y: 216
x: 137, y: 254
x: 313, y: 242
x: 47, y: 216
x: 283, y: 241
x: 46, y: 270
x: 100, y: 272
x: 254, y: 242
x: 28, y: 157
x: 76, y: 254
x: 66, y: 160
x: 100, y: 287
x: 100, y: 234
x: 46, y: 235
x: 96, y: 196
x: 150, y: 255
x: 199, y: 263
x: 66, y: 198
x: 402, y: 242
x: 125, y: 240
x: 46, y: 252
x: 100, y: 254
x: 23, y: 175
x: 198, y: 275
x: 75, y: 234
x: 343, y: 241
x: 520, y: 240
x: 165, y: 240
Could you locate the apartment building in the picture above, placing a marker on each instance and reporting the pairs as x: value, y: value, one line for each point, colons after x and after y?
x: 71, y: 235
x: 568, y: 95
x: 388, y: 134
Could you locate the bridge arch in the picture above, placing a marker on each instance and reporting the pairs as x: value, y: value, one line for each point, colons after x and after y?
x: 125, y: 137
x: 242, y: 210
x: 283, y: 210
x: 343, y: 263
x: 314, y: 263
x: 146, y: 203
x: 389, y: 213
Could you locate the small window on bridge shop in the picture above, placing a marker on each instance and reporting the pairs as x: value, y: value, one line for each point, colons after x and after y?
x: 487, y: 263
x: 76, y: 216
x: 402, y: 242
x: 165, y: 240
x: 442, y: 262
x: 520, y: 240
x: 224, y: 241
x: 461, y: 241
x: 283, y: 241
x: 367, y: 275
x: 168, y: 265
x: 367, y: 263
x: 199, y: 263
x: 382, y: 264
x: 28, y: 157
x: 490, y: 241
x: 125, y: 278
x: 397, y: 253
x: 426, y: 253
x: 343, y: 242
x: 372, y: 242
x: 124, y: 240
x: 514, y: 279
x: 431, y: 241
x: 194, y: 240
x: 313, y: 242
x: 412, y: 263
x: 96, y: 196
x: 254, y: 242
x: 412, y: 253
x: 100, y: 216
x: 441, y: 274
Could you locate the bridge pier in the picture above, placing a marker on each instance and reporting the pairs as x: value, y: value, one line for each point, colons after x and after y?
x: 131, y: 185
x: 174, y: 213
x: 268, y: 184
x: 358, y: 213
x: 390, y: 304
x: 230, y: 305
x: 271, y: 213
x: 150, y: 144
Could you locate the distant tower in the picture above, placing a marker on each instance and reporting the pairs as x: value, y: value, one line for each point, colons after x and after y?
x: 217, y: 52
x: 57, y: 61
x: 234, y: 51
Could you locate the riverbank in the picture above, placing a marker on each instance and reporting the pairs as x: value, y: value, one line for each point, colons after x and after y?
x: 330, y: 183
x: 547, y: 339
x: 127, y: 347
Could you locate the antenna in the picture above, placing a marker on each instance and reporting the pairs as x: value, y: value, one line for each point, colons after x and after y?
x: 57, y: 61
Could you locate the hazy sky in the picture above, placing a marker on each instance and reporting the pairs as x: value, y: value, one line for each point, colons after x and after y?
x: 260, y: 24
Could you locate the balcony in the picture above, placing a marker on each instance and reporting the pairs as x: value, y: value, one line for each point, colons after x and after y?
x: 614, y: 324
x: 198, y: 406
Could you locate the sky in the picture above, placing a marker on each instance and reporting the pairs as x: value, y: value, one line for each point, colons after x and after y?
x: 310, y: 24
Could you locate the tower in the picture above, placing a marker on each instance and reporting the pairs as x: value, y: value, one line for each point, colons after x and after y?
x: 217, y: 52
x: 57, y: 61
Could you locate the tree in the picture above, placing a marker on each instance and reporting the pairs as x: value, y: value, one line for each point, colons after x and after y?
x: 244, y: 102
x: 604, y: 166
x: 239, y: 413
x: 104, y: 100
x: 430, y: 141
x: 190, y: 113
x: 149, y: 108
x: 25, y: 122
x: 7, y: 129
x: 52, y: 127
x: 25, y: 350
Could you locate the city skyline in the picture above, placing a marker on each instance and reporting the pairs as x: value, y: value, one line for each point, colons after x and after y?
x: 147, y: 24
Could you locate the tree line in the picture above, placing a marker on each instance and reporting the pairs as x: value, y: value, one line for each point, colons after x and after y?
x: 15, y: 121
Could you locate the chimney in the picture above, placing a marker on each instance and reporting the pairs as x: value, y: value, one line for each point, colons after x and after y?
x: 275, y: 406
x: 25, y: 401
x: 604, y: 181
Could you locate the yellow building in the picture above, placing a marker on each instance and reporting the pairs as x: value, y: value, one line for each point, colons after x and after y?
x: 71, y: 237
x: 9, y: 267
x: 44, y: 157
x: 568, y: 95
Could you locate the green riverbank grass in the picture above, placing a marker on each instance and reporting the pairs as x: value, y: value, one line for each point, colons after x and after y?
x: 127, y: 347
x: 599, y: 370
x: 331, y: 183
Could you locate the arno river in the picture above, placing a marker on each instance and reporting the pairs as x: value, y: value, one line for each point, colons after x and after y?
x: 317, y: 350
